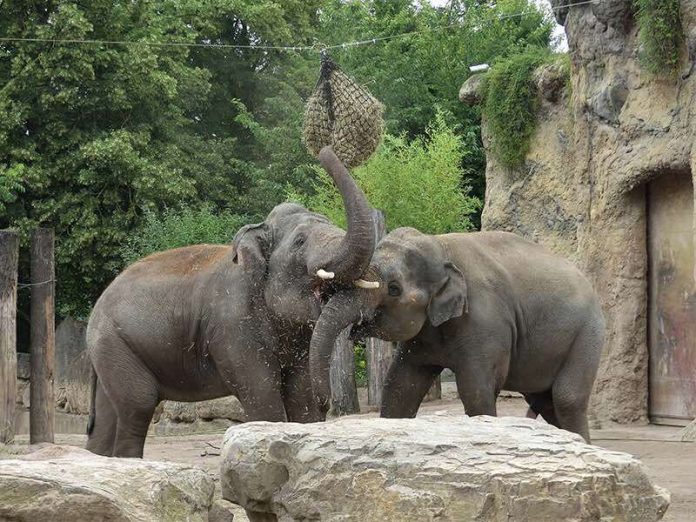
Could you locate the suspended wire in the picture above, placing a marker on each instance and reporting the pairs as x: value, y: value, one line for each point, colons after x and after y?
x: 21, y: 286
x: 296, y: 48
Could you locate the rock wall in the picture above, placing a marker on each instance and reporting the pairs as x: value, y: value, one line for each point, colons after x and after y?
x: 581, y: 191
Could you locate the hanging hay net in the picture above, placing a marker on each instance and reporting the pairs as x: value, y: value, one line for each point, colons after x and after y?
x: 342, y: 114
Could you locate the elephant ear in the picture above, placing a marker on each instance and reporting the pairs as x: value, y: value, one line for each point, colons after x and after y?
x: 250, y: 247
x: 450, y: 299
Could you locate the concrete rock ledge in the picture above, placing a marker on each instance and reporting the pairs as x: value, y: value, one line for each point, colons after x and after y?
x: 435, y: 467
x: 64, y: 484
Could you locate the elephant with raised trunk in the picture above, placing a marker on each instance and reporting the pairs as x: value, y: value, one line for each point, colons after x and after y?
x: 206, y: 321
x: 499, y: 311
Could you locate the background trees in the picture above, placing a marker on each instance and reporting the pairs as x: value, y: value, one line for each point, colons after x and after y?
x: 117, y: 145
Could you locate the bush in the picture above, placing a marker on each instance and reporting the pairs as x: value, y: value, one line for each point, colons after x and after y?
x: 416, y: 183
x: 360, y: 365
x: 177, y: 228
x: 660, y: 33
x: 511, y: 104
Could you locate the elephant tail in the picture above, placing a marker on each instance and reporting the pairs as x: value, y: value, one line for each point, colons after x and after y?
x: 92, y: 401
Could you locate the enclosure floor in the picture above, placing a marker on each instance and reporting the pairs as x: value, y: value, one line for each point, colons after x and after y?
x: 670, y: 463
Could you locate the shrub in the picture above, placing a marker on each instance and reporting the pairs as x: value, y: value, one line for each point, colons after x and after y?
x: 510, y: 106
x: 416, y: 183
x: 360, y: 365
x: 177, y: 228
x: 660, y: 33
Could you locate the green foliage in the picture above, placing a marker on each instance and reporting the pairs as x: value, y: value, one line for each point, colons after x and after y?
x: 416, y: 183
x: 94, y: 136
x: 183, y: 227
x: 96, y: 139
x: 660, y: 33
x: 11, y: 184
x: 360, y: 365
x: 414, y: 75
x: 511, y: 103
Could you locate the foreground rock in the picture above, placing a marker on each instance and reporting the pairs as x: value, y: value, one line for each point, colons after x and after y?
x: 64, y: 484
x: 688, y: 434
x: 442, y: 467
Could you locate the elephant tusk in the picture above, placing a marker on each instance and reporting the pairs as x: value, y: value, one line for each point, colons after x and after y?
x: 323, y: 274
x: 361, y: 283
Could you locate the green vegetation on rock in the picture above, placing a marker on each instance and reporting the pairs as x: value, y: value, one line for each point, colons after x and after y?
x: 660, y: 33
x: 511, y: 102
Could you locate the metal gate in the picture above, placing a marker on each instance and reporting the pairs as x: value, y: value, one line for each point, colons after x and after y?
x: 672, y: 299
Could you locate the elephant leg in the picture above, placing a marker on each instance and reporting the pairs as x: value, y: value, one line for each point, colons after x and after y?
x: 256, y: 381
x: 542, y: 404
x: 101, y: 438
x: 573, y: 385
x: 477, y: 391
x: 405, y: 387
x: 298, y: 398
x: 132, y: 390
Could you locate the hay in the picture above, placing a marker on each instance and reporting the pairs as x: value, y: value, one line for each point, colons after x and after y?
x: 342, y: 114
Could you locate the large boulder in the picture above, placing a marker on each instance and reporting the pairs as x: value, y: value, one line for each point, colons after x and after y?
x: 444, y: 467
x: 64, y: 484
x: 177, y: 418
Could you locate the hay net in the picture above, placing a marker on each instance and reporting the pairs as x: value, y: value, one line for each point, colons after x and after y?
x: 342, y: 114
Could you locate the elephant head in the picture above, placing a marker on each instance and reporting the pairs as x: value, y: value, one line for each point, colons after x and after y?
x: 301, y: 256
x: 411, y: 281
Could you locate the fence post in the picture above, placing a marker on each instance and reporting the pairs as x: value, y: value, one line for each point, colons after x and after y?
x: 344, y: 391
x: 9, y: 252
x: 378, y: 353
x: 43, y: 340
x: 435, y: 391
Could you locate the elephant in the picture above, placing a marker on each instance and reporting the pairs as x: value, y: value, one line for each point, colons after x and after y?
x: 206, y: 321
x: 501, y: 312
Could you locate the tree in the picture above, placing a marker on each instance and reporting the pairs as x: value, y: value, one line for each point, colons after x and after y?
x: 414, y: 75
x: 92, y: 136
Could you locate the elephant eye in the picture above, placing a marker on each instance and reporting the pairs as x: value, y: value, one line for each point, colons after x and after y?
x: 299, y: 240
x: 394, y: 289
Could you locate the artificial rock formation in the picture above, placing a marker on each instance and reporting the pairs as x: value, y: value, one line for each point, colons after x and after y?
x: 434, y: 467
x: 582, y: 189
x: 172, y: 417
x: 66, y: 484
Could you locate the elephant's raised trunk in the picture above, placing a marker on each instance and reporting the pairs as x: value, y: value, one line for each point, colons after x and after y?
x: 353, y: 254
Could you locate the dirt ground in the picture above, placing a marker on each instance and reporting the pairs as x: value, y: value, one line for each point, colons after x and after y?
x: 669, y: 462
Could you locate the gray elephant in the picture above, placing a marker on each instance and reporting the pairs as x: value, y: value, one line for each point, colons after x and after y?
x: 206, y: 321
x: 500, y: 311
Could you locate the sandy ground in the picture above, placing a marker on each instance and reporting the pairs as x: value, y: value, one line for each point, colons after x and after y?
x: 669, y: 462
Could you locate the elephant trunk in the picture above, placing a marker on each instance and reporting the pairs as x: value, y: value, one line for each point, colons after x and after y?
x: 352, y: 256
x: 343, y: 309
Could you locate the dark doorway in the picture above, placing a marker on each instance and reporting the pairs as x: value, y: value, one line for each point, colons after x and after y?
x: 672, y: 299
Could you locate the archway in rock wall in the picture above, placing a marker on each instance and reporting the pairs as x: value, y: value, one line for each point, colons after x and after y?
x: 671, y: 298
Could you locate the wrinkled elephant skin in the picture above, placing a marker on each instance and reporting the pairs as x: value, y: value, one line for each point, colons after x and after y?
x: 500, y: 311
x: 205, y: 321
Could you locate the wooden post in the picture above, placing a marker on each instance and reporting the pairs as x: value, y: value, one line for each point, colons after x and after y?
x: 9, y: 252
x: 379, y: 353
x: 344, y: 391
x: 42, y: 412
x: 435, y: 391
x: 379, y: 356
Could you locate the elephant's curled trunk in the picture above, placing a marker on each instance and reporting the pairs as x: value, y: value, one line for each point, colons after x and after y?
x: 342, y: 310
x: 353, y: 254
